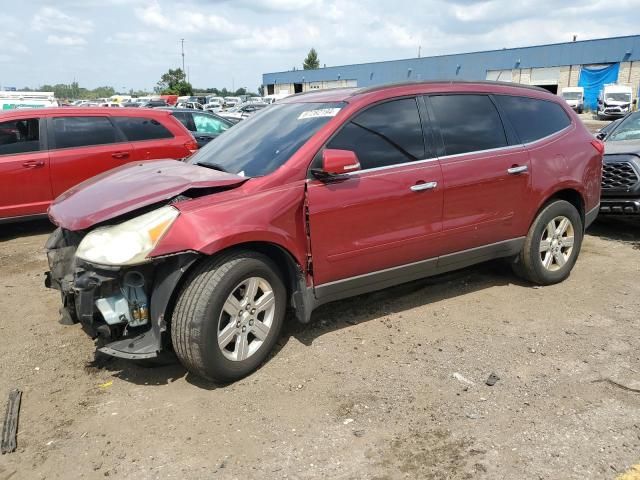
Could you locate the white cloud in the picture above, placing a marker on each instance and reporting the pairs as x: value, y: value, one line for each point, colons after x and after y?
x: 66, y: 40
x: 52, y: 19
x: 189, y: 21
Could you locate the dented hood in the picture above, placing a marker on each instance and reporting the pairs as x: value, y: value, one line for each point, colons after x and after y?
x: 129, y: 187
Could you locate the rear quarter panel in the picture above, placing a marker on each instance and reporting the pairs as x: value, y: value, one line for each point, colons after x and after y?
x: 566, y: 160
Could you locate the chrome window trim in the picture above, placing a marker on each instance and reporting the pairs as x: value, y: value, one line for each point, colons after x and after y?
x: 386, y: 167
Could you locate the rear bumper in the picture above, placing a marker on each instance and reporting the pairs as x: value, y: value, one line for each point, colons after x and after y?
x: 620, y: 206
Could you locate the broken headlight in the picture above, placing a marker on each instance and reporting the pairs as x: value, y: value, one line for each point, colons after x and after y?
x: 128, y: 243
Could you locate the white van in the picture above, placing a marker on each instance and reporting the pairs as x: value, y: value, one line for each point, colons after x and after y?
x: 13, y: 100
x: 615, y: 100
x: 574, y: 96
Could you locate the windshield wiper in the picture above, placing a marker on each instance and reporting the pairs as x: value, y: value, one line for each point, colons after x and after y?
x: 213, y: 166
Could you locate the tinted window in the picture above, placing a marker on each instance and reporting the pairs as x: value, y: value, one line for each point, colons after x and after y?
x: 19, y: 136
x: 531, y: 118
x: 468, y: 123
x: 209, y: 124
x: 265, y: 141
x: 139, y: 128
x: 82, y: 131
x: 385, y: 134
x: 186, y: 120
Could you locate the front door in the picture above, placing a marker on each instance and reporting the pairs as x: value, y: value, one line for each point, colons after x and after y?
x: 386, y: 215
x: 486, y: 177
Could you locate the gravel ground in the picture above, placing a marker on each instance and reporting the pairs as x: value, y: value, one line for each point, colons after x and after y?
x: 388, y: 385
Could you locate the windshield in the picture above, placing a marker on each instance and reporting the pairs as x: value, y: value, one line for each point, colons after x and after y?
x: 617, y: 97
x: 628, y: 129
x: 571, y: 95
x: 262, y: 143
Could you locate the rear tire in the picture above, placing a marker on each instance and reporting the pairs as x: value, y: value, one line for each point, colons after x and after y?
x: 552, y: 245
x: 228, y: 316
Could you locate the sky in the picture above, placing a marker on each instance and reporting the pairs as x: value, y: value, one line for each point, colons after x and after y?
x: 128, y: 44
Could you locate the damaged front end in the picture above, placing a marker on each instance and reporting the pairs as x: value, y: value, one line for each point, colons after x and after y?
x: 123, y: 307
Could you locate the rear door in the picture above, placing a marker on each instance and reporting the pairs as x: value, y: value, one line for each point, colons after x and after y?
x: 487, y: 186
x: 381, y: 216
x: 150, y: 139
x: 25, y: 186
x: 82, y: 146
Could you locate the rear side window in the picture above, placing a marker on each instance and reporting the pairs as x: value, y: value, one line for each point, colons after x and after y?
x: 383, y: 135
x: 186, y: 120
x: 83, y: 131
x: 468, y: 123
x: 533, y: 119
x: 19, y: 136
x: 140, y: 128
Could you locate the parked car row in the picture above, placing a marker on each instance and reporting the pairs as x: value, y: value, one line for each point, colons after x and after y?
x: 318, y: 197
x: 45, y: 152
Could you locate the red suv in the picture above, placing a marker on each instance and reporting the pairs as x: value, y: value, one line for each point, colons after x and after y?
x: 44, y: 152
x: 319, y: 197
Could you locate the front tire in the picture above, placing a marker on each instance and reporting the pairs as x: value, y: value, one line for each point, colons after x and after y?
x: 228, y: 316
x: 552, y: 245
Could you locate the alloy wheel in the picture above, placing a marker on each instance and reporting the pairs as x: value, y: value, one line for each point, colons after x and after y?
x: 556, y: 243
x: 246, y: 318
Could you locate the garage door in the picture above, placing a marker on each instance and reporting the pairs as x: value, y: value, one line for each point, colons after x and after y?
x: 499, y: 75
x: 545, y: 76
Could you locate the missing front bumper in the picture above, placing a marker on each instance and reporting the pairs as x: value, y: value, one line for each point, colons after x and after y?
x: 88, y: 292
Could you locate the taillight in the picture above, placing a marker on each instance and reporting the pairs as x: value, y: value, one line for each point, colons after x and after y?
x: 191, y: 145
x: 598, y: 145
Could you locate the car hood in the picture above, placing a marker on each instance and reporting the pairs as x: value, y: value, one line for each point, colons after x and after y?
x: 622, y: 146
x: 130, y: 187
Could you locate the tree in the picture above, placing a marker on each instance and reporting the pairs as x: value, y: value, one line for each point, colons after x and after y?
x: 261, y: 90
x: 311, y: 62
x: 174, y: 82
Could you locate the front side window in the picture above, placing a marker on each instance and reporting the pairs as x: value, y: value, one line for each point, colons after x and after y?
x: 209, y: 124
x: 468, y: 123
x: 533, y: 118
x: 19, y: 136
x: 383, y: 135
x: 140, y: 128
x: 265, y: 141
x: 83, y: 131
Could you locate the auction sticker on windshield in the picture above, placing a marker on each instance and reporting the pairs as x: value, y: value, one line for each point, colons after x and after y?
x: 320, y: 112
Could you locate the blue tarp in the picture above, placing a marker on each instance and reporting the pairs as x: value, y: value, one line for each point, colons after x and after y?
x: 592, y: 79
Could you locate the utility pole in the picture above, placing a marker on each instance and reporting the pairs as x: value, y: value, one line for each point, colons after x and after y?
x: 182, y: 42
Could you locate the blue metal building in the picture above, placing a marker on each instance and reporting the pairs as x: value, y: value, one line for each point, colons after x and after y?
x: 551, y: 66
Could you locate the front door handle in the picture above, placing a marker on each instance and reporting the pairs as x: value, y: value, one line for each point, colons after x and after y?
x: 418, y: 187
x: 517, y: 169
x: 120, y: 155
x: 33, y: 164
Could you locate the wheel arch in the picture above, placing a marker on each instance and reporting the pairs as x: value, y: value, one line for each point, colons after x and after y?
x: 292, y: 272
x: 571, y: 195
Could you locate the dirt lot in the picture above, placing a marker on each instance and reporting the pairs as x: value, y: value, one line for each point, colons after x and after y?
x: 366, y: 391
x: 384, y: 386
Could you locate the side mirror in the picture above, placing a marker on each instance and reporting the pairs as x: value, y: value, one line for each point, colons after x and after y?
x: 336, y: 163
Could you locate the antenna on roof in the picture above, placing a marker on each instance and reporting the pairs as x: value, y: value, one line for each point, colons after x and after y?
x: 575, y: 37
x: 419, y: 48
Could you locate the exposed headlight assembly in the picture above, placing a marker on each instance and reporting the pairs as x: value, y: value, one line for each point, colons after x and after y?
x: 128, y: 243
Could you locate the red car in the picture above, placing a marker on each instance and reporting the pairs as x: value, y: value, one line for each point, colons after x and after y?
x: 318, y: 197
x: 44, y: 152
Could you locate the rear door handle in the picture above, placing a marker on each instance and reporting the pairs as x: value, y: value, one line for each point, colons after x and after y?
x: 120, y: 155
x: 33, y: 164
x: 517, y: 169
x: 418, y: 187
